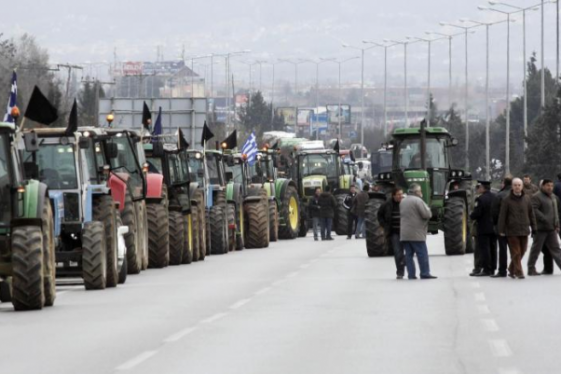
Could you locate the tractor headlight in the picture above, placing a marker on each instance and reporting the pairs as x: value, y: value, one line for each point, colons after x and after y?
x: 453, y: 174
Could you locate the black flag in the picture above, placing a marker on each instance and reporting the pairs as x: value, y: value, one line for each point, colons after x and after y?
x: 353, y: 159
x: 72, y: 120
x: 207, y: 135
x: 275, y: 146
x: 336, y: 147
x: 146, y: 117
x: 183, y: 143
x: 40, y: 109
x: 231, y: 141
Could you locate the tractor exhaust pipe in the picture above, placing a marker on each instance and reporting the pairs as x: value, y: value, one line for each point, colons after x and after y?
x: 423, y: 145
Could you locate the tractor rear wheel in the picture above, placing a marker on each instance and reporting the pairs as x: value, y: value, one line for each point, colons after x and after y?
x: 176, y: 238
x: 376, y: 245
x: 196, y: 223
x: 49, y: 262
x: 256, y: 233
x: 455, y: 226
x: 130, y: 219
x: 158, y: 236
x: 28, y: 268
x: 104, y: 211
x: 342, y: 217
x: 94, y: 251
x: 289, y: 214
x: 218, y: 231
x: 273, y: 221
x: 231, y: 215
x: 188, y: 240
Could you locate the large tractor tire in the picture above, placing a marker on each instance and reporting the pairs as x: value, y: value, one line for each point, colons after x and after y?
x: 94, y: 251
x: 49, y: 262
x: 273, y: 221
x: 240, y: 225
x: 104, y: 211
x: 289, y: 214
x: 188, y: 240
x: 342, y: 217
x: 256, y: 233
x: 196, y: 223
x: 304, y: 227
x: 176, y: 238
x: 376, y: 245
x: 6, y: 290
x: 231, y: 218
x: 218, y: 230
x: 455, y: 224
x: 158, y: 236
x: 143, y: 233
x: 129, y: 216
x: 208, y: 234
x: 28, y: 268
x: 204, y: 232
x: 123, y: 271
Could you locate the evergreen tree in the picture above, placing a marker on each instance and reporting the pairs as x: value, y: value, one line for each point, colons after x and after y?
x: 258, y: 117
x: 87, y: 103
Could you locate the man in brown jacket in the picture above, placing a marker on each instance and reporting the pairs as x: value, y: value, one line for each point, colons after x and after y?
x: 359, y: 210
x: 515, y: 220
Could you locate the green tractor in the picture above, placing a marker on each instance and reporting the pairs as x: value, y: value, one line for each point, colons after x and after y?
x: 421, y: 156
x: 252, y: 204
x: 284, y: 217
x: 27, y: 247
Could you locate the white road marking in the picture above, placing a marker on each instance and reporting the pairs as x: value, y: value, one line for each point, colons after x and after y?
x: 136, y: 361
x: 500, y: 348
x: 215, y: 317
x: 490, y: 325
x: 240, y: 303
x: 175, y: 337
x: 475, y: 285
x: 480, y: 296
x: 483, y: 309
x: 263, y: 290
x: 292, y: 275
x: 281, y: 281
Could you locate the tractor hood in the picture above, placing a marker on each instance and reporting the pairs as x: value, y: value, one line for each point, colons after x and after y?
x: 310, y: 183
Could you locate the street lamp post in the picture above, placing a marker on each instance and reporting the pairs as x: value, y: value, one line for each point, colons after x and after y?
x: 316, y: 113
x: 405, y: 87
x: 295, y: 63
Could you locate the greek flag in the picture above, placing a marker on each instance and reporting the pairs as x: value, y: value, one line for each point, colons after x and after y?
x: 250, y: 149
x: 12, y: 100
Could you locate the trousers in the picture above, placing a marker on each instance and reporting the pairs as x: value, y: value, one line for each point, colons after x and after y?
x: 487, y: 252
x: 399, y: 254
x: 518, y: 246
x: 549, y: 241
x: 351, y: 224
x: 316, y: 227
x: 419, y: 249
x: 326, y: 227
x: 503, y: 254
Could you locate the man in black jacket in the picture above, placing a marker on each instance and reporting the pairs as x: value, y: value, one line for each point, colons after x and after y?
x: 327, y: 207
x: 351, y: 217
x: 503, y: 244
x: 486, y: 238
x: 313, y: 211
x: 389, y: 218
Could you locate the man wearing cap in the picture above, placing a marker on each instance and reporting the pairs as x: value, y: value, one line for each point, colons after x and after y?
x: 486, y: 239
x: 503, y: 243
x: 352, y: 219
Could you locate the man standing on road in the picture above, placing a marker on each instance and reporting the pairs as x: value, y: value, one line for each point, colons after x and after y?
x: 503, y: 243
x: 351, y: 218
x: 327, y: 206
x: 515, y: 220
x: 389, y: 219
x: 313, y: 210
x: 557, y: 187
x: 529, y: 187
x: 544, y: 205
x: 359, y: 210
x: 414, y: 219
x: 486, y: 239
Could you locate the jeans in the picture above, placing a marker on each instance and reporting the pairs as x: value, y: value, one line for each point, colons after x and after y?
x: 326, y: 227
x: 316, y: 227
x: 360, y: 228
x: 399, y: 255
x: 503, y: 254
x: 420, y: 249
x: 486, y: 247
x: 352, y: 224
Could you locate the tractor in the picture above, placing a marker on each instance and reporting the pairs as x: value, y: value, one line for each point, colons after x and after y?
x: 86, y: 218
x: 381, y: 160
x: 208, y: 189
x: 252, y: 203
x: 27, y: 257
x: 421, y: 156
x: 165, y: 157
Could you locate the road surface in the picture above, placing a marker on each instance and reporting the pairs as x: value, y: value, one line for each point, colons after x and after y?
x: 297, y: 307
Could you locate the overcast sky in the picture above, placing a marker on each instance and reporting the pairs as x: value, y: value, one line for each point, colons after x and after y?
x: 80, y: 31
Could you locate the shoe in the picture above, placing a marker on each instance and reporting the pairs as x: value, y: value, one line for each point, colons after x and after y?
x: 533, y: 272
x: 546, y: 273
x: 330, y: 238
x: 316, y: 239
x: 428, y: 277
x: 511, y: 275
x: 411, y: 278
x: 348, y: 238
x: 520, y: 277
x: 483, y: 274
x: 474, y: 272
x: 498, y: 275
x: 399, y: 277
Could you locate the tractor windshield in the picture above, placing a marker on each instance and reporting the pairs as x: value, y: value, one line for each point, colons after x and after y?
x: 178, y: 169
x: 126, y: 161
x: 319, y: 164
x: 213, y: 169
x: 409, y: 155
x: 237, y: 172
x: 196, y: 167
x: 57, y: 166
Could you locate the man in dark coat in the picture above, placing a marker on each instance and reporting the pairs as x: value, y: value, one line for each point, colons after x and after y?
x: 503, y: 243
x: 351, y: 217
x: 327, y: 207
x: 313, y: 211
x: 485, y: 229
x: 389, y: 218
x: 359, y: 210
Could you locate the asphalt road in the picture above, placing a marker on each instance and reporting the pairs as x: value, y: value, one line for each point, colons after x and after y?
x: 297, y: 307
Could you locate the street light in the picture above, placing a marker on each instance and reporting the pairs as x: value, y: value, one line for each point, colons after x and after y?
x: 339, y: 63
x: 316, y: 113
x: 362, y: 50
x: 466, y: 93
x: 295, y: 63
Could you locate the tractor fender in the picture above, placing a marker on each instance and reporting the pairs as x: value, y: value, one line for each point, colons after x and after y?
x: 377, y: 195
x: 252, y: 200
x: 33, y: 200
x: 281, y: 187
x: 345, y: 182
x: 118, y: 186
x: 236, y: 196
x: 57, y: 202
x: 154, y: 184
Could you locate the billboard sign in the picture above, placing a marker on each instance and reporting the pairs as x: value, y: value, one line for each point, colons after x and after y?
x: 132, y: 68
x: 289, y: 115
x: 304, y: 117
x: 333, y: 114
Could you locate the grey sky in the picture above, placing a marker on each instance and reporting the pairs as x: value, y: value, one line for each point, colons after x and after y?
x: 80, y: 31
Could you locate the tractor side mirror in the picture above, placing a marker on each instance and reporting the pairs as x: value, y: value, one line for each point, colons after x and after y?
x: 229, y: 176
x: 84, y: 143
x: 31, y: 170
x: 112, y: 150
x: 158, y: 149
x: 31, y: 142
x: 454, y: 142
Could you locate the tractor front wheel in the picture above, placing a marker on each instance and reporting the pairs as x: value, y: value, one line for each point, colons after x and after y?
x: 158, y: 236
x: 455, y: 226
x: 94, y: 261
x: 376, y: 245
x: 289, y: 214
x: 28, y: 268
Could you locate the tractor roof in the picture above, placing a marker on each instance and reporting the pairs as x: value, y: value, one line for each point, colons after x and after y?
x: 7, y: 125
x: 417, y: 130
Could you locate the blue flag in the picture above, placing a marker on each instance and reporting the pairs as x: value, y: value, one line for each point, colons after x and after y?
x: 12, y: 100
x: 250, y: 149
x: 158, y: 125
